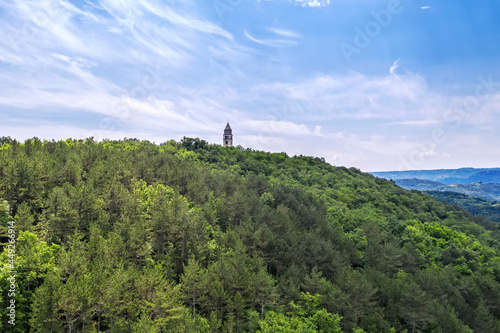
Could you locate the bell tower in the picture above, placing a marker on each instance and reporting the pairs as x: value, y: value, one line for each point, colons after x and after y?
x: 227, y: 138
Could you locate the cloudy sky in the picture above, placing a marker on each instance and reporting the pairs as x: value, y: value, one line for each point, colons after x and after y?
x: 378, y: 85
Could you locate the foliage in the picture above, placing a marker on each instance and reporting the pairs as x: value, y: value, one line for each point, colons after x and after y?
x: 129, y: 236
x: 476, y: 206
x: 306, y: 316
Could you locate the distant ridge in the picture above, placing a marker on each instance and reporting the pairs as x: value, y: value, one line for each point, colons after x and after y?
x: 476, y: 190
x: 446, y: 176
x: 486, y: 191
x: 419, y: 184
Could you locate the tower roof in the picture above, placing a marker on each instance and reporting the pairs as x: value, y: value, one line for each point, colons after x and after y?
x: 228, y: 129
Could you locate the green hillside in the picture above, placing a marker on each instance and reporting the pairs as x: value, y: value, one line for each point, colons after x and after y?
x: 129, y: 236
x: 476, y: 206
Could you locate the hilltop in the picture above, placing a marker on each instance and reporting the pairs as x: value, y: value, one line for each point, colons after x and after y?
x: 131, y: 236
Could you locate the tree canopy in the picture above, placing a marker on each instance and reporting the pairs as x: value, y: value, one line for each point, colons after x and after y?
x: 130, y: 236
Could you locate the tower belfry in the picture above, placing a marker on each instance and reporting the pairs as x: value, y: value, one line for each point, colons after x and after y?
x: 227, y: 138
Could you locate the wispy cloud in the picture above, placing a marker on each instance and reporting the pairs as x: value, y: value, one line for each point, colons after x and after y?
x: 424, y: 122
x: 307, y: 3
x: 271, y: 42
x: 312, y: 3
x: 394, y: 67
x: 353, y: 96
x: 109, y: 69
x: 284, y: 32
x: 281, y: 127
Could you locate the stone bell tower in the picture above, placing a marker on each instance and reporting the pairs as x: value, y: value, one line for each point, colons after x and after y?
x: 227, y: 138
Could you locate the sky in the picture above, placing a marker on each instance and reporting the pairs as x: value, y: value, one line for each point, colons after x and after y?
x: 376, y: 85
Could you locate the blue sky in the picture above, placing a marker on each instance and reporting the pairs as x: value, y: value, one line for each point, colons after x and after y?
x: 378, y: 85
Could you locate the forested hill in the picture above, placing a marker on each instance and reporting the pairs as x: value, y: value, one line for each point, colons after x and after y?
x: 129, y: 236
x: 477, y: 206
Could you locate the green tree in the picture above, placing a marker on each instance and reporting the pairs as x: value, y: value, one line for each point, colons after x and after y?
x: 306, y: 316
x: 34, y: 261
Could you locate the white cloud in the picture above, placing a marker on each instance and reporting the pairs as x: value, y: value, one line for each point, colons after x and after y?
x: 284, y: 32
x: 116, y: 30
x: 312, y: 3
x: 307, y: 3
x: 425, y: 7
x: 394, y: 67
x: 271, y: 42
x: 280, y: 127
x: 61, y: 132
x: 145, y: 28
x: 428, y: 153
x: 61, y: 58
x: 356, y: 96
x: 424, y: 122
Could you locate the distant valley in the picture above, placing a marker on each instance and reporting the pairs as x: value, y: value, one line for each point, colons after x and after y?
x: 446, y: 176
x: 487, y: 191
x: 476, y: 206
x: 477, y: 190
x: 480, y: 183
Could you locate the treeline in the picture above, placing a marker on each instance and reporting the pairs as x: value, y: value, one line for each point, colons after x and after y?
x: 129, y: 236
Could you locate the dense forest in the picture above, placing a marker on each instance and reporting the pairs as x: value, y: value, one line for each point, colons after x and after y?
x: 130, y: 236
x: 477, y: 206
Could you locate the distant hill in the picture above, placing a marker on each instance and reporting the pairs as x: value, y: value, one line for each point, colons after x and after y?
x: 486, y: 176
x: 446, y: 176
x: 486, y: 191
x: 419, y: 184
x: 480, y: 183
x: 476, y: 206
